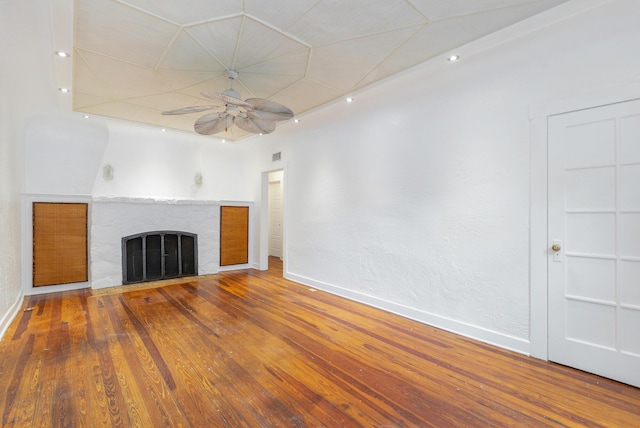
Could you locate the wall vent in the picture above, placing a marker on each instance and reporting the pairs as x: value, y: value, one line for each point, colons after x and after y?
x: 276, y: 156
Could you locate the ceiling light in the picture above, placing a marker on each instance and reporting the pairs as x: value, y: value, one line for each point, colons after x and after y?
x: 86, y: 116
x: 349, y: 100
x: 64, y: 90
x: 164, y: 130
x: 296, y: 120
x: 62, y: 54
x: 453, y: 58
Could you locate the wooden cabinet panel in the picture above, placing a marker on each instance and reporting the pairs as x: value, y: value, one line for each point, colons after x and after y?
x: 59, y: 243
x: 234, y: 235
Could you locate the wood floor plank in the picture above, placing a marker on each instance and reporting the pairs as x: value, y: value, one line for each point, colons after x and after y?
x: 250, y: 349
x: 265, y: 353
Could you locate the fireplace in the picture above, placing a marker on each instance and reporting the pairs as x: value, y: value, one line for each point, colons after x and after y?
x: 152, y: 256
x: 113, y: 218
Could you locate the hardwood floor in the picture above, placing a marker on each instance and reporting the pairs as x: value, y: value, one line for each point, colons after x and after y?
x: 248, y: 348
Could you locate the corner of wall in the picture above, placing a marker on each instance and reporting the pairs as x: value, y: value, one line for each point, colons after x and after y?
x: 10, y: 315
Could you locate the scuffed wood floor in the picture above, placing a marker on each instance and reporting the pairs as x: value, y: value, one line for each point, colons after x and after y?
x: 251, y: 349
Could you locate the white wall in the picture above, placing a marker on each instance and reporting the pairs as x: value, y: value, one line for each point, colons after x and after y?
x: 150, y: 163
x: 415, y: 198
x: 20, y: 97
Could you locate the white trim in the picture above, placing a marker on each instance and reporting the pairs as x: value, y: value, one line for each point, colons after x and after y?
x: 11, y: 314
x: 538, y: 328
x: 263, y: 256
x: 27, y: 238
x: 471, y: 331
x: 263, y: 262
x: 538, y: 250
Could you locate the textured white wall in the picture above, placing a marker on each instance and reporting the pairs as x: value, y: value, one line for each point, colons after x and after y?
x: 114, y: 218
x: 21, y: 97
x: 415, y: 197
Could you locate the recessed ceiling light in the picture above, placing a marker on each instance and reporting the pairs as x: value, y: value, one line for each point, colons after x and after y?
x: 349, y: 100
x: 86, y: 116
x: 164, y: 130
x: 62, y: 54
x: 64, y: 90
x: 296, y: 120
x: 453, y: 58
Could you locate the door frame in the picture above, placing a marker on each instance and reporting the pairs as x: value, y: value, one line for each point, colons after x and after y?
x: 263, y: 256
x: 539, y: 192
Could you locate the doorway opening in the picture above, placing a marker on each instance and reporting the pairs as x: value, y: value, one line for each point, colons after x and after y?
x: 275, y: 213
x: 272, y: 234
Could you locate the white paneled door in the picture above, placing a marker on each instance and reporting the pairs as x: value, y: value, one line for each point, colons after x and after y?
x: 594, y: 240
x: 275, y: 218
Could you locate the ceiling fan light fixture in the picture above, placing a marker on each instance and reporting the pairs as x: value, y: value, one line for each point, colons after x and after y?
x: 254, y: 115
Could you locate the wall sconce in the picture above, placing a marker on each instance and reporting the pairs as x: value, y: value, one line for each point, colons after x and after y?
x: 107, y: 172
x: 198, y: 179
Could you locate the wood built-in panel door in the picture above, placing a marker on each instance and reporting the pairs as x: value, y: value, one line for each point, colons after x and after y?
x: 234, y: 235
x: 594, y: 240
x: 59, y: 243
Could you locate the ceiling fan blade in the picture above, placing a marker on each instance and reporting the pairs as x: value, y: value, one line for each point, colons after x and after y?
x: 256, y: 126
x: 269, y: 110
x: 224, y: 99
x: 213, y: 123
x: 186, y: 110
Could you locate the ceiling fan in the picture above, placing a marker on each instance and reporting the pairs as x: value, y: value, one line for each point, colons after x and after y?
x: 255, y: 115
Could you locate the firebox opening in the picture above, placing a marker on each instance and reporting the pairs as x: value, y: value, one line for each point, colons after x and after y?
x: 157, y: 255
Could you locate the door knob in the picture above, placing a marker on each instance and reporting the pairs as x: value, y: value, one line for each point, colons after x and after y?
x: 555, y: 247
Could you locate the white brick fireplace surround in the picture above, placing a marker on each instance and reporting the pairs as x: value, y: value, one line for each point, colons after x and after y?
x: 114, y: 218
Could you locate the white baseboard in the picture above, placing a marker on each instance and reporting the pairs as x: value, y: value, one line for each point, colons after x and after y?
x: 11, y: 314
x: 473, y: 332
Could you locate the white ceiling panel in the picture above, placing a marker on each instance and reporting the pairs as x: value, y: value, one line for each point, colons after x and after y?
x: 166, y: 101
x: 179, y: 80
x: 217, y: 84
x: 186, y: 54
x: 437, y: 9
x: 123, y: 79
x: 293, y: 64
x: 259, y: 43
x: 184, y: 13
x: 87, y: 81
x: 278, y: 14
x: 121, y: 32
x: 333, y: 20
x: 305, y: 94
x: 342, y: 65
x: 220, y: 37
x: 260, y: 87
x: 136, y: 58
x: 85, y: 101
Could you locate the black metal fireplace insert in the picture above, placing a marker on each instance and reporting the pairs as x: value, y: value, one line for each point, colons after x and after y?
x: 157, y: 255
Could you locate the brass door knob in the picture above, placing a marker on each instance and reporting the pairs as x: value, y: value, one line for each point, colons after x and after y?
x: 555, y: 247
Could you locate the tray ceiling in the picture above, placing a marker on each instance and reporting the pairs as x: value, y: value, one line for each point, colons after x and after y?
x: 135, y: 58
